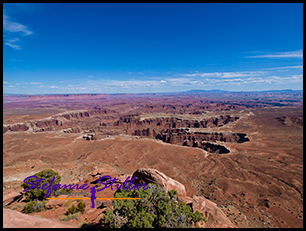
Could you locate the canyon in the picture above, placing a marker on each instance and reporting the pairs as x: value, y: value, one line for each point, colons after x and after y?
x: 241, y: 151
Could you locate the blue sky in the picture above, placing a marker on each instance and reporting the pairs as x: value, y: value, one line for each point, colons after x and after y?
x: 144, y: 48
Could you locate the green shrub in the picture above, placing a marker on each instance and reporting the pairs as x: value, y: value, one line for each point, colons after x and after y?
x: 156, y: 208
x: 80, y: 208
x: 34, y: 194
x: 72, y: 209
x: 70, y: 217
x: 33, y: 206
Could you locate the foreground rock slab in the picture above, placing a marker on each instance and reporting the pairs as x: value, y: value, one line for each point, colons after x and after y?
x: 214, y: 215
x: 14, y: 219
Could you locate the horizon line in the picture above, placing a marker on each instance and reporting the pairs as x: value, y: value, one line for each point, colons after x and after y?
x: 189, y: 91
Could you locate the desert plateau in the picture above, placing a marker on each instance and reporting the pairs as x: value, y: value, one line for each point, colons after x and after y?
x: 237, y: 157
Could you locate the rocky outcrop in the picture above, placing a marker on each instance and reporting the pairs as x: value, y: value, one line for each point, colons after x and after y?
x: 286, y: 120
x: 148, y: 175
x: 11, y: 197
x: 52, y: 204
x: 14, y: 219
x: 214, y: 215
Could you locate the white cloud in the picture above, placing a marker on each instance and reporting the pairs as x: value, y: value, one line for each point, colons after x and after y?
x: 35, y: 83
x: 286, y: 67
x: 54, y: 87
x: 287, y: 54
x: 15, y: 26
x: 13, y: 31
x: 225, y: 74
x: 17, y: 47
x: 4, y: 82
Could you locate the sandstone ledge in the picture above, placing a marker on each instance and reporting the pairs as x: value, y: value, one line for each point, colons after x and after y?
x: 14, y: 219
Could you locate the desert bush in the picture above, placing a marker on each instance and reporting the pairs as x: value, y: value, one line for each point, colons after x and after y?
x: 80, y: 208
x: 70, y: 217
x: 155, y: 209
x: 39, y: 194
x: 72, y: 209
x: 33, y: 206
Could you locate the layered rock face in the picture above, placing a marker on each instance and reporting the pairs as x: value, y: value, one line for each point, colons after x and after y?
x: 168, y: 129
x: 185, y: 136
x: 163, y: 123
x: 70, y: 121
x: 204, y: 140
x: 175, y: 131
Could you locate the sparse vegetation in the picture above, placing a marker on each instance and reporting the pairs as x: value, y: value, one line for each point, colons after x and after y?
x: 70, y: 217
x: 67, y: 203
x: 17, y: 206
x: 72, y: 209
x: 80, y: 208
x: 33, y: 206
x: 155, y: 209
x: 65, y: 191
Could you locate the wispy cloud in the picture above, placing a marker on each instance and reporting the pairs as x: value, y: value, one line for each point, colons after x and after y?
x: 36, y: 83
x: 13, y: 31
x: 53, y: 86
x: 191, y: 80
x: 288, y: 54
x: 286, y: 67
x: 226, y: 74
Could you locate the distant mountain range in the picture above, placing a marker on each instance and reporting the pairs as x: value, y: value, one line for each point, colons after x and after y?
x: 224, y: 91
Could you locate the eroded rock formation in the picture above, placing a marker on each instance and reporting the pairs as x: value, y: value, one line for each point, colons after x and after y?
x: 214, y: 215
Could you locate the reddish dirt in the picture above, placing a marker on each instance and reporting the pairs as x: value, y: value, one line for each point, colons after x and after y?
x: 259, y: 183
